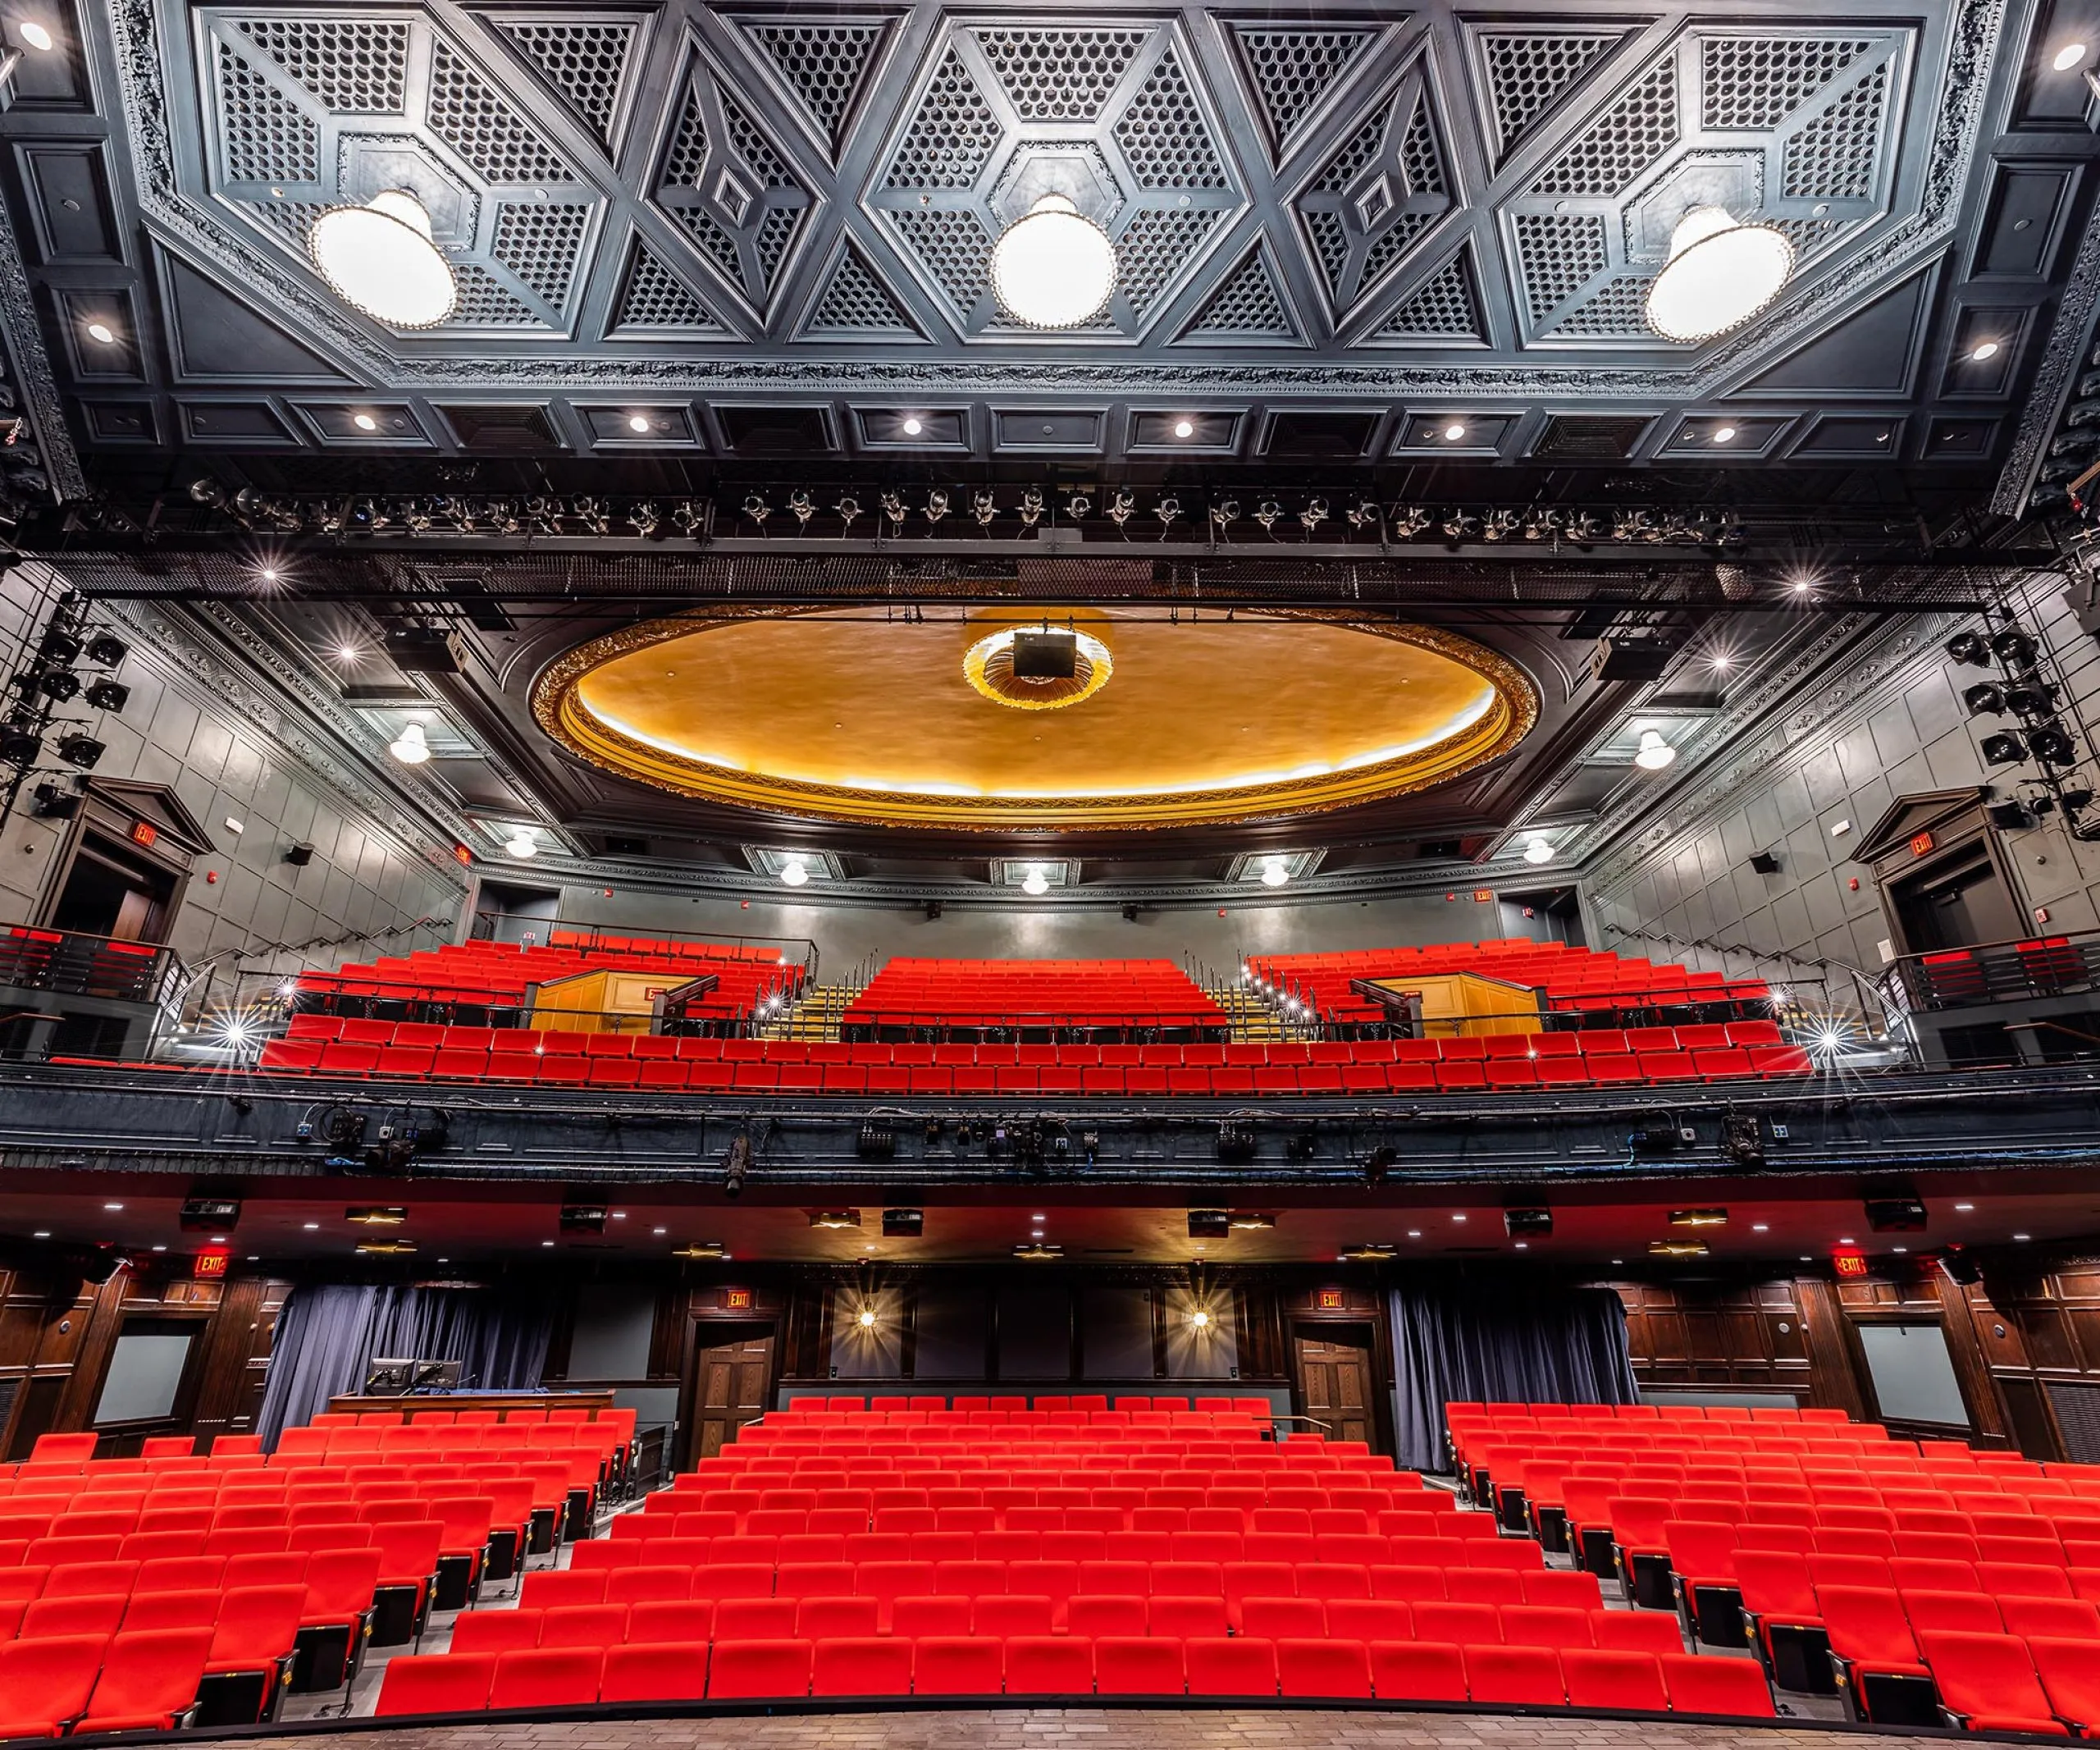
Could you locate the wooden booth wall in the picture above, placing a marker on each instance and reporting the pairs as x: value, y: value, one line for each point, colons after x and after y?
x: 2024, y: 1348
x: 56, y: 1347
x: 730, y: 1341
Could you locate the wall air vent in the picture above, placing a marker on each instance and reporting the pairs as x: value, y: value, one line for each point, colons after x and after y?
x: 1571, y: 438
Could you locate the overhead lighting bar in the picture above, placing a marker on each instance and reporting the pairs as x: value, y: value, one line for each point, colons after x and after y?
x: 375, y: 1215
x: 1699, y: 1217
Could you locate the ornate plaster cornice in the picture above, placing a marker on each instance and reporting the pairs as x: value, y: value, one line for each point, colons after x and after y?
x: 1881, y: 258
x: 2071, y: 333
x: 23, y: 338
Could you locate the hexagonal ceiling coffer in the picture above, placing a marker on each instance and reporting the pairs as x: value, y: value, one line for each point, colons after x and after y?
x: 367, y: 164
x: 1732, y: 180
x: 1075, y: 169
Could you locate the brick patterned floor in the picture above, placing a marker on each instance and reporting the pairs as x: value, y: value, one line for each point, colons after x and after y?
x: 1056, y: 1728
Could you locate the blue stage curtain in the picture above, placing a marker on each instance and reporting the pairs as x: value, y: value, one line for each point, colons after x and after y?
x: 1498, y: 1339
x: 328, y: 1333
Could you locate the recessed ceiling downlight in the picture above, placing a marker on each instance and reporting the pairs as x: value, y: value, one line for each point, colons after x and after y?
x: 379, y: 258
x: 1054, y: 268
x: 1719, y: 275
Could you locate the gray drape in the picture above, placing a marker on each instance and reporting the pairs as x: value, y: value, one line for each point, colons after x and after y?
x: 328, y: 1333
x: 1502, y: 1340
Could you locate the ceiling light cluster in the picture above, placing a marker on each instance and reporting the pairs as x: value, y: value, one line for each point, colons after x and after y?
x: 1054, y: 268
x: 379, y: 259
x: 1721, y: 273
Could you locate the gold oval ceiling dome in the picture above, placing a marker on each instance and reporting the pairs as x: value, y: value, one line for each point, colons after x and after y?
x: 853, y: 716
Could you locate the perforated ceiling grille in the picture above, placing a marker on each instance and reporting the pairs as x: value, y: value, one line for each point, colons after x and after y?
x: 756, y: 150
x: 1757, y: 82
x: 1616, y: 311
x: 1527, y: 74
x: 775, y: 232
x: 1833, y: 158
x: 2077, y: 1405
x: 1443, y: 307
x: 656, y: 298
x: 822, y: 64
x: 856, y: 306
x: 687, y: 156
x: 351, y: 68
x: 1558, y: 253
x: 1377, y: 195
x: 1059, y: 75
x: 1155, y: 246
x: 540, y: 244
x: 267, y: 138
x: 956, y: 247
x: 1346, y: 165
x: 721, y: 248
x: 484, y: 304
x: 584, y: 63
x: 1625, y: 140
x: 952, y: 135
x: 1292, y: 69
x: 479, y: 124
x: 1246, y: 307
x: 1162, y: 133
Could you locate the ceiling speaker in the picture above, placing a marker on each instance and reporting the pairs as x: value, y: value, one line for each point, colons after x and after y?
x: 1765, y: 862
x: 1045, y: 656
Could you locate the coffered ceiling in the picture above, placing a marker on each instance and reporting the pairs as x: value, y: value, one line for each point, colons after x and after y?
x: 756, y: 230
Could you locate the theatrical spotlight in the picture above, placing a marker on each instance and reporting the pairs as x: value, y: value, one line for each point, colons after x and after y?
x: 2051, y: 745
x: 1985, y: 699
x: 1379, y: 1162
x: 2014, y: 648
x: 737, y: 1163
x: 83, y: 751
x: 2001, y: 750
x: 108, y: 695
x: 1969, y: 649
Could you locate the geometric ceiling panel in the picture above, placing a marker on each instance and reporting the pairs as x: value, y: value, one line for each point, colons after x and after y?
x: 309, y: 113
x: 1378, y: 194
x: 730, y: 186
x: 1444, y: 308
x: 586, y: 63
x: 1528, y: 72
x: 1249, y: 308
x: 1292, y: 69
x: 655, y: 300
x: 823, y: 63
x: 1110, y: 118
x: 856, y: 305
x: 1795, y: 128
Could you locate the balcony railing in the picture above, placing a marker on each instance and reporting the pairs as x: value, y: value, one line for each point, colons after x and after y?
x: 66, y: 963
x: 1998, y: 972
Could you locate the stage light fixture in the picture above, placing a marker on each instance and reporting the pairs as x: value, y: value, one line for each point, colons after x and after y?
x: 702, y: 1250
x: 21, y: 745
x: 2014, y: 648
x: 55, y: 804
x: 1985, y: 699
x: 1969, y: 649
x: 1530, y: 1224
x: 1235, y: 1142
x: 1036, y: 1252
x: 876, y: 1141
x: 58, y: 685
x: 59, y: 645
x: 1896, y: 1214
x: 1209, y: 1224
x: 1367, y: 1251
x: 375, y: 1215
x: 736, y: 1165
x: 903, y: 1224
x: 1699, y: 1218
x: 83, y: 751
x: 1677, y: 1249
x: 2025, y: 700
x: 2002, y: 749
x: 106, y: 695
x: 39, y: 38
x: 2051, y: 745
x: 1380, y: 1162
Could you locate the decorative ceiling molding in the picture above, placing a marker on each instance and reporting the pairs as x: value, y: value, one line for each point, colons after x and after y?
x: 2067, y: 352
x: 1153, y: 111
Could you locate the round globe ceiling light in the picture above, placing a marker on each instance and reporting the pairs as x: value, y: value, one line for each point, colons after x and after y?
x: 1654, y: 753
x: 794, y: 872
x: 1719, y: 275
x: 1054, y: 268
x: 1274, y: 873
x: 379, y: 258
x: 1035, y: 884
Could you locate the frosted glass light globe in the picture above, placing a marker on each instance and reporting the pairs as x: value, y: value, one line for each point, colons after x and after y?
x: 1654, y: 753
x: 1054, y: 268
x: 1719, y: 275
x: 379, y: 258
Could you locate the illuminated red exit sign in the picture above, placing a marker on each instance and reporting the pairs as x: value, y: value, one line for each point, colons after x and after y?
x: 1920, y: 843
x: 209, y: 1263
x: 1849, y: 1263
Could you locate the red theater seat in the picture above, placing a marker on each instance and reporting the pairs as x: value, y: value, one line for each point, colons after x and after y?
x: 565, y: 1677
x: 1717, y: 1686
x: 741, y: 1671
x: 870, y: 1666
x: 1127, y: 1665
x: 655, y: 1672
x: 1630, y: 1682
x: 1335, y: 1669
x: 957, y: 1665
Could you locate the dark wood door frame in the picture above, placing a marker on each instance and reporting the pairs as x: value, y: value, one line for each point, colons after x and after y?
x: 1965, y: 1379
x: 708, y: 1331
x: 1344, y: 1330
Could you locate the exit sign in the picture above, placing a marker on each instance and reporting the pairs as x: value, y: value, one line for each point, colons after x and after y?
x: 143, y: 831
x: 1849, y: 1263
x: 737, y: 1299
x: 1920, y: 843
x: 1331, y: 1300
x: 209, y: 1264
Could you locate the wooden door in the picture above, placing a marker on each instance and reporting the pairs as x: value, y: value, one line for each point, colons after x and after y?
x: 1334, y: 1382
x: 730, y: 1392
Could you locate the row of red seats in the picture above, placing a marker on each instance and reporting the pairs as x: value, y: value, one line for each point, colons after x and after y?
x: 143, y: 1681
x: 631, y: 1571
x: 1070, y: 1665
x: 974, y: 1405
x: 657, y: 1613
x: 298, y: 1057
